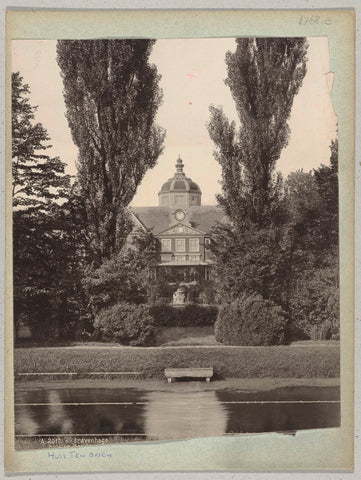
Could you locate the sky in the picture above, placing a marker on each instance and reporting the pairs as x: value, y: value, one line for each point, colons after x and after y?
x: 193, y: 73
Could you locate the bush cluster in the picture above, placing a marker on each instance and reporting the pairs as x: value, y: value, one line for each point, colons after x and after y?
x: 127, y: 324
x: 251, y: 320
x: 189, y: 316
x: 314, y: 307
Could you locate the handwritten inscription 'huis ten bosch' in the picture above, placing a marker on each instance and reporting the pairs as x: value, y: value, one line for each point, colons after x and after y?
x: 74, y: 455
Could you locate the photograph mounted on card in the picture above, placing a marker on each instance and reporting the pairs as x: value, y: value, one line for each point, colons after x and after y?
x: 180, y: 217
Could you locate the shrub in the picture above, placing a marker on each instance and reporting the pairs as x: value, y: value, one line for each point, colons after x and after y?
x: 126, y: 324
x: 190, y: 316
x: 159, y: 291
x: 163, y: 315
x: 251, y: 320
x: 314, y: 305
x: 198, y: 316
x: 122, y: 278
x: 208, y: 294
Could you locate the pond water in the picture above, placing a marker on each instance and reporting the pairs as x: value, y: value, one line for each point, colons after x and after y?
x: 160, y: 415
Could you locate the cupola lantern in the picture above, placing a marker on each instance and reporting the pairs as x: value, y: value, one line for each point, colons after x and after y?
x: 179, y: 191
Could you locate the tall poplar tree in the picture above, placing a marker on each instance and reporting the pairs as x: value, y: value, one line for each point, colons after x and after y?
x: 264, y: 75
x: 112, y: 95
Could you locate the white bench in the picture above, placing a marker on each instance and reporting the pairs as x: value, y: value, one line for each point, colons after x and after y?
x: 172, y: 373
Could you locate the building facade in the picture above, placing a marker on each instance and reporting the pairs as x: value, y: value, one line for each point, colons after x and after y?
x: 182, y: 228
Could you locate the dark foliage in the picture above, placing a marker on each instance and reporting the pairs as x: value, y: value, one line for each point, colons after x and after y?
x: 189, y: 316
x: 159, y: 291
x: 251, y: 320
x: 293, y: 263
x: 47, y: 265
x: 264, y: 75
x: 314, y: 289
x: 45, y: 238
x: 126, y: 324
x: 326, y: 178
x: 37, y: 179
x: 253, y: 260
x: 123, y: 278
x: 282, y: 242
x: 112, y: 96
x: 314, y: 302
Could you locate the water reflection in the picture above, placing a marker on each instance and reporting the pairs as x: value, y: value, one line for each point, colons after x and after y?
x: 269, y: 417
x: 173, y: 414
x: 57, y: 418
x: 170, y: 415
x: 79, y: 411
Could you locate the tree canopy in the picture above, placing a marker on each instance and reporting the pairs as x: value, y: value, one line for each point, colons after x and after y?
x: 44, y: 235
x: 37, y: 179
x: 282, y: 241
x: 125, y: 277
x: 264, y: 75
x: 292, y: 262
x: 112, y: 95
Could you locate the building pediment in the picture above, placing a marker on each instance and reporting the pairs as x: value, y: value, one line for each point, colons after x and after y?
x: 181, y: 229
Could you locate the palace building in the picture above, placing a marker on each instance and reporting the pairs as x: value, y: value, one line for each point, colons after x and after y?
x: 182, y: 227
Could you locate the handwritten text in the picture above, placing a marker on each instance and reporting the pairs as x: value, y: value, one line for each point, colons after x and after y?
x: 75, y: 455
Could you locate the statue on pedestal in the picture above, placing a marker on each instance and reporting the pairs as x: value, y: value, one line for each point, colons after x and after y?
x: 179, y: 297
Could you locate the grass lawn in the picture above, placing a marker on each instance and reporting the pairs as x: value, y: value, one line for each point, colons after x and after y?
x: 298, y: 361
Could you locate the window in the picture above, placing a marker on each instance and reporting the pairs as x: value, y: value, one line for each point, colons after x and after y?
x: 208, y: 241
x: 166, y: 245
x: 194, y: 258
x: 194, y: 244
x: 180, y: 258
x: 180, y: 245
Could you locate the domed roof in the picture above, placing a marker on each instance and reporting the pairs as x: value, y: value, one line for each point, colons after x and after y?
x: 180, y: 183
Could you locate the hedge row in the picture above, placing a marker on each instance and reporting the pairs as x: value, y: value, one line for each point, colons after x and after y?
x: 189, y: 316
x: 136, y: 325
x: 228, y: 362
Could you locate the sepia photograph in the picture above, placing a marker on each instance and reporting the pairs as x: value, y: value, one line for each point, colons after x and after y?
x: 179, y: 244
x: 175, y: 239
